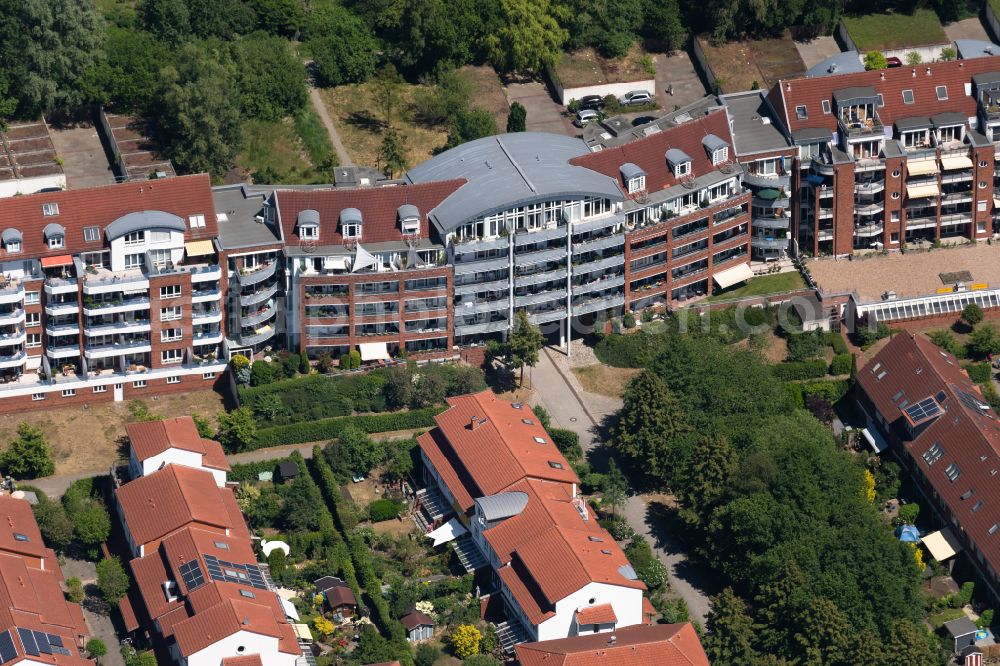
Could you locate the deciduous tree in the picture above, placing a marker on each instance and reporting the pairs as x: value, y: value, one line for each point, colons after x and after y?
x: 529, y: 37
x: 237, y: 429
x: 112, y: 579
x: 342, y: 47
x: 28, y: 456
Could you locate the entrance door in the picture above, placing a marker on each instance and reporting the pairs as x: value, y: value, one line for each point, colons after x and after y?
x: 119, y: 393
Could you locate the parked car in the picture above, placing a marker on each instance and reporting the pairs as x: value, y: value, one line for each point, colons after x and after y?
x: 595, y: 102
x: 893, y: 62
x: 635, y: 98
x: 584, y: 116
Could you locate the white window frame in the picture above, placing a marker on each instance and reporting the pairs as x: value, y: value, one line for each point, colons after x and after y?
x: 826, y: 107
x: 801, y: 112
x: 172, y: 313
x: 139, y: 383
x: 309, y: 231
x: 682, y: 168
x: 208, y: 375
x: 170, y: 291
x: 720, y: 155
x: 14, y: 247
x: 68, y: 393
x: 133, y: 238
x: 33, y: 319
x: 91, y: 234
x: 137, y: 260
x: 167, y: 356
x: 159, y: 237
x: 174, y: 379
x: 937, y: 93
x: 50, y: 209
x: 171, y: 334
x: 35, y: 397
x: 33, y: 340
x: 32, y: 297
x: 103, y: 388
x: 56, y: 242
x: 196, y: 221
x: 351, y: 230
x: 637, y: 184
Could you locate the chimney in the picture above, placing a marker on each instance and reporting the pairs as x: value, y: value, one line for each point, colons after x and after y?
x: 475, y: 422
x: 928, y: 71
x: 612, y: 640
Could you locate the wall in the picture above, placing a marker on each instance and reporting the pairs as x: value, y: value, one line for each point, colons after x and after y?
x: 990, y: 21
x: 564, y: 95
x: 19, y: 186
x: 265, y: 646
x: 626, y: 601
x: 844, y: 38
x: 704, y: 69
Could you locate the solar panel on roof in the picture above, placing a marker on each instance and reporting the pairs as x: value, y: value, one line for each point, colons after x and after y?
x: 971, y: 401
x: 55, y: 640
x: 28, y: 641
x: 926, y: 409
x: 42, y: 640
x: 191, y: 575
x: 231, y: 572
x: 7, y: 650
x: 940, y: 396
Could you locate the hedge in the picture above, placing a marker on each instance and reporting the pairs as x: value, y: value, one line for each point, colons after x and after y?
x: 836, y: 340
x: 251, y: 471
x: 841, y: 364
x: 325, y: 429
x: 793, y: 370
x: 830, y: 391
x: 384, y: 509
x: 978, y: 372
x: 568, y: 442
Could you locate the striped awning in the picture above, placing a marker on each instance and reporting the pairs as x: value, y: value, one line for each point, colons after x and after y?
x: 917, y: 191
x: 921, y: 167
x: 956, y: 162
x: 199, y: 248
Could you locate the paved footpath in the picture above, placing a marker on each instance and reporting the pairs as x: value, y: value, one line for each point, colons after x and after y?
x: 559, y: 392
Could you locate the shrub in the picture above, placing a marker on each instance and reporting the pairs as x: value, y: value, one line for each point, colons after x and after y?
x: 865, y: 336
x: 74, y: 590
x: 947, y: 342
x: 908, y: 513
x: 96, y: 648
x: 628, y: 321
x: 28, y: 456
x: 628, y: 351
x: 276, y: 561
x: 985, y: 619
x: 836, y: 341
x: 827, y: 391
x: 979, y: 372
x: 112, y: 579
x: 262, y: 373
x: 791, y: 370
x: 972, y: 314
x: 465, y: 640
x: 326, y: 429
x: 384, y: 509
x: 841, y: 364
x: 426, y: 654
x: 803, y: 346
x: 568, y: 442
x: 239, y: 361
x: 965, y: 593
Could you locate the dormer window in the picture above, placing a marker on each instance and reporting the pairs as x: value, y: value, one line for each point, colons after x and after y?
x: 351, y: 231
x: 637, y: 184
x: 55, y: 235
x: 50, y: 209
x: 11, y: 241
x: 350, y: 223
x: 682, y: 169
x: 679, y: 162
x: 716, y: 148
x: 14, y: 247
x: 801, y: 112
x: 409, y: 219
x: 721, y: 155
x: 309, y: 232
x: 196, y: 221
x: 634, y: 177
x: 308, y: 223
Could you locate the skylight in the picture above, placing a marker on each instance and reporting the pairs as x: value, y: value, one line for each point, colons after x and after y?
x: 907, y: 97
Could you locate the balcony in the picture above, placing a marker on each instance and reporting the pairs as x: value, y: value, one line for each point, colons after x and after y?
x: 212, y: 316
x: 545, y: 316
x: 480, y: 245
x: 15, y: 338
x: 104, y: 281
x: 206, y: 295
x: 485, y: 327
x: 599, y: 304
x: 920, y: 222
x: 62, y: 329
x: 115, y: 306
x: 11, y: 317
x: 866, y: 230
x: 257, y: 275
x: 599, y: 264
x: 869, y: 209
x: 116, y: 349
x: 852, y: 126
x: 481, y: 266
x: 56, y: 308
x: 773, y: 181
x: 259, y: 296
x: 769, y: 243
x: 54, y: 285
x: 261, y: 316
x: 466, y: 308
x: 770, y: 222
x: 62, y: 351
x: 955, y: 218
x: 478, y: 287
x: 873, y: 187
x: 541, y: 297
x: 525, y: 237
x: 598, y: 244
x: 12, y: 293
x: 205, y: 272
x: 540, y: 257
x: 256, y: 338
x: 133, y: 326
x: 13, y: 361
x: 601, y: 222
x: 539, y: 278
x: 212, y: 338
x: 608, y: 282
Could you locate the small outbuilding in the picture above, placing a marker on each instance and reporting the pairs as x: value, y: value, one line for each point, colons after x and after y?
x: 288, y: 470
x: 962, y: 632
x: 419, y: 626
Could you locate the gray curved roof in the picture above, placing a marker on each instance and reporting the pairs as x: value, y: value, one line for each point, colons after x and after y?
x: 677, y: 156
x: 408, y: 211
x: 713, y: 142
x: 308, y: 217
x: 10, y: 235
x: 52, y: 229
x: 631, y: 170
x: 142, y: 221
x: 508, y: 171
x: 502, y: 505
x: 349, y: 215
x: 842, y: 63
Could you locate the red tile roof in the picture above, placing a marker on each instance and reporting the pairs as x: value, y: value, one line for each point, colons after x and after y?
x: 599, y: 614
x: 500, y: 451
x: 100, y: 206
x: 251, y: 660
x: 966, y: 434
x: 643, y: 645
x: 178, y: 496
x: 229, y: 617
x: 151, y: 438
x: 650, y: 152
x: 810, y: 92
x: 378, y: 206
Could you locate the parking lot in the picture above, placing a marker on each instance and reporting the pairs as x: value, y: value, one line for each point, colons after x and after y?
x: 544, y: 113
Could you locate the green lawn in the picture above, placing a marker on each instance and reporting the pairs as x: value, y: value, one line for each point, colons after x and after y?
x: 764, y: 284
x: 276, y: 153
x: 946, y: 615
x: 888, y: 31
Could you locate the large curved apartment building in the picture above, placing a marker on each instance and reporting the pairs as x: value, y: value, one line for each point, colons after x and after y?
x: 115, y: 292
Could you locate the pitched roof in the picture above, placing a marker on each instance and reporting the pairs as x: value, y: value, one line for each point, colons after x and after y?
x: 177, y: 496
x: 650, y: 153
x: 378, y: 207
x: 501, y: 450
x: 100, y: 206
x: 890, y: 83
x: 151, y: 438
x: 227, y: 618
x: 958, y: 450
x: 340, y: 596
x: 641, y: 645
x: 599, y: 614
x: 415, y: 619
